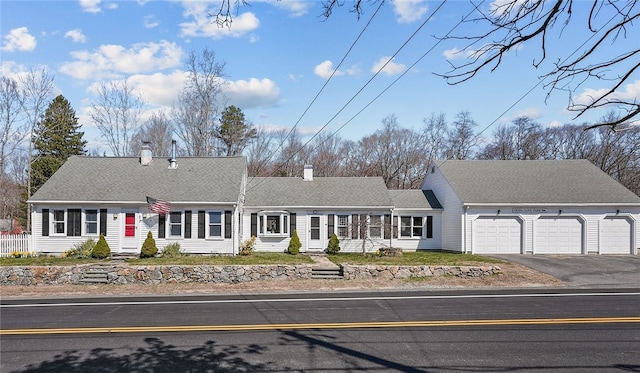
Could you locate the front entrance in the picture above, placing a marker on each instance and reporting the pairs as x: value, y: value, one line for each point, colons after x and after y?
x: 316, y: 238
x: 130, y: 232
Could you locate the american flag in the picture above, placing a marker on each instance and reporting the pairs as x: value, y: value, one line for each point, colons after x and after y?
x: 158, y: 206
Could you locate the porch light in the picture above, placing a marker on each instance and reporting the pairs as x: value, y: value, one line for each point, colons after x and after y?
x: 115, y: 216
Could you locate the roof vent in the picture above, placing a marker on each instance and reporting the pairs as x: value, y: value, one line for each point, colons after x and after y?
x: 172, y: 161
x: 308, y: 173
x: 145, y: 154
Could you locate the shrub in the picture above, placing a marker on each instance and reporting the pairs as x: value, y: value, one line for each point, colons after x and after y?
x: 334, y: 245
x: 101, y: 250
x: 149, y: 248
x: 172, y: 250
x: 22, y: 254
x: 81, y: 250
x: 294, y: 244
x: 248, y: 246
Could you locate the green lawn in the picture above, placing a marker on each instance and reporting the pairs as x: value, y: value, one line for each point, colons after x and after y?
x: 413, y: 258
x: 408, y: 258
x: 255, y: 259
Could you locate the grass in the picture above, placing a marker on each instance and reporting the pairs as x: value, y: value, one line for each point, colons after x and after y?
x: 254, y: 259
x: 407, y: 258
x: 413, y: 258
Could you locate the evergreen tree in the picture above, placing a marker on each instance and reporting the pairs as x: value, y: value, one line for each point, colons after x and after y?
x: 234, y: 131
x: 55, y: 139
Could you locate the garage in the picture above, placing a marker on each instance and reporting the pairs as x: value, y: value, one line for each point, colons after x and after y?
x: 495, y: 235
x: 557, y: 236
x: 615, y: 236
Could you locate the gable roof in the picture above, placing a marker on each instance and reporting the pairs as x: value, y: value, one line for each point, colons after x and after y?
x: 539, y: 181
x: 414, y: 198
x: 320, y: 192
x: 124, y: 179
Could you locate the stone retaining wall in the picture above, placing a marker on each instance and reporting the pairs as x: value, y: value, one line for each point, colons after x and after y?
x: 126, y: 274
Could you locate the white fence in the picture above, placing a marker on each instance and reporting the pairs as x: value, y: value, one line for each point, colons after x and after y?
x: 14, y: 242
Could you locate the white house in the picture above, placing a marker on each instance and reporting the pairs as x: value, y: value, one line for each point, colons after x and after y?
x: 481, y: 207
x: 534, y: 207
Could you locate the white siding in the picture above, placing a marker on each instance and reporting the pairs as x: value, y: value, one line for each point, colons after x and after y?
x: 453, y: 213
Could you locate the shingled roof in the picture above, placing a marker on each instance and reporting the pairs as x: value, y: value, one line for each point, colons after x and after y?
x: 533, y: 181
x: 414, y: 198
x: 124, y: 179
x: 320, y: 192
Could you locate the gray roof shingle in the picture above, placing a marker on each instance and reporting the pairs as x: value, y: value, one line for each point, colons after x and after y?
x: 124, y: 179
x: 414, y: 198
x: 320, y: 192
x: 539, y: 181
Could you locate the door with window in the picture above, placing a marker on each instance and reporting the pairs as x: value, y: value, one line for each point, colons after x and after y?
x: 130, y: 231
x: 316, y: 235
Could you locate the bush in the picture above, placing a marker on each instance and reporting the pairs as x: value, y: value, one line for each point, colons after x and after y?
x: 334, y: 245
x: 81, y: 250
x: 390, y: 251
x: 101, y: 250
x: 294, y: 244
x: 22, y: 254
x: 248, y: 246
x: 149, y: 248
x: 172, y: 251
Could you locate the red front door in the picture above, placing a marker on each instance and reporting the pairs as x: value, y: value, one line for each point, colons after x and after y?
x: 130, y: 224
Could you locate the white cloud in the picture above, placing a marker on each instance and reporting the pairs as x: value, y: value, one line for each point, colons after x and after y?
x: 159, y: 89
x: 76, y: 35
x: 531, y: 113
x: 408, y: 11
x: 90, y: 6
x: 631, y: 93
x: 114, y: 60
x: 203, y: 26
x: 19, y: 39
x: 297, y: 8
x: 325, y: 69
x: 391, y: 68
x: 252, y: 93
x: 555, y: 123
x: 150, y: 21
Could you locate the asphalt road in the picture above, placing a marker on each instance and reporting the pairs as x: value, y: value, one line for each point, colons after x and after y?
x: 462, y: 331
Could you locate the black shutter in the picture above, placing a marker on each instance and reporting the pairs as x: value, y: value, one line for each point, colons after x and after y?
x: 355, y: 224
x: 103, y: 222
x: 45, y: 222
x: 161, y: 224
x: 74, y: 222
x: 201, y: 224
x: 227, y: 224
x: 330, y: 225
x: 395, y: 227
x: 254, y: 225
x: 387, y: 226
x: 429, y: 226
x: 187, y: 224
x: 292, y: 223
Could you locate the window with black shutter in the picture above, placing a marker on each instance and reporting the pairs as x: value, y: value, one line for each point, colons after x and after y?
x: 45, y: 222
x: 254, y: 224
x: 161, y: 226
x: 201, y: 224
x: 103, y: 222
x: 330, y: 224
x: 227, y: 224
x: 187, y: 224
x: 292, y: 223
x: 429, y: 226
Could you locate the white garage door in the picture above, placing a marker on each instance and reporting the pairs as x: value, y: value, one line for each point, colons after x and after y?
x: 615, y: 236
x: 557, y: 236
x: 497, y: 236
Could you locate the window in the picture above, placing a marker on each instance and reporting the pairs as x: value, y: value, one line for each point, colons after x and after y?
x: 91, y: 221
x: 411, y: 226
x: 58, y: 222
x: 343, y: 226
x: 375, y: 226
x: 273, y: 223
x: 215, y: 224
x: 175, y: 224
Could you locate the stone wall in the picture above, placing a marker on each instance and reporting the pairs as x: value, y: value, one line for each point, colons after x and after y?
x: 126, y: 274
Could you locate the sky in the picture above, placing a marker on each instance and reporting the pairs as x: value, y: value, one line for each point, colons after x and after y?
x: 279, y: 54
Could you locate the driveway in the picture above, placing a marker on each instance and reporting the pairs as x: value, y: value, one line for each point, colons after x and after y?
x: 585, y: 270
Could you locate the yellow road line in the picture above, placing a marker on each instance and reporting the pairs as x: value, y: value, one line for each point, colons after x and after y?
x: 346, y: 325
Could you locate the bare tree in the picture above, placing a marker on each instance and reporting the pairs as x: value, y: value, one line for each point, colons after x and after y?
x: 200, y: 103
x: 290, y: 160
x: 510, y: 24
x: 326, y: 156
x: 260, y: 153
x: 157, y: 132
x: 523, y: 139
x: 12, y: 130
x: 37, y: 86
x: 462, y: 141
x: 116, y: 113
x: 435, y: 132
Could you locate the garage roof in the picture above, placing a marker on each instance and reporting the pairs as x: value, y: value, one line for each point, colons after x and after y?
x: 533, y: 181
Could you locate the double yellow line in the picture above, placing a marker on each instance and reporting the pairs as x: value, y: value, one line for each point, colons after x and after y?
x: 345, y: 325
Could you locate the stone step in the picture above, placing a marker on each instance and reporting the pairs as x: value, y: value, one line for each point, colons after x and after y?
x: 326, y: 273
